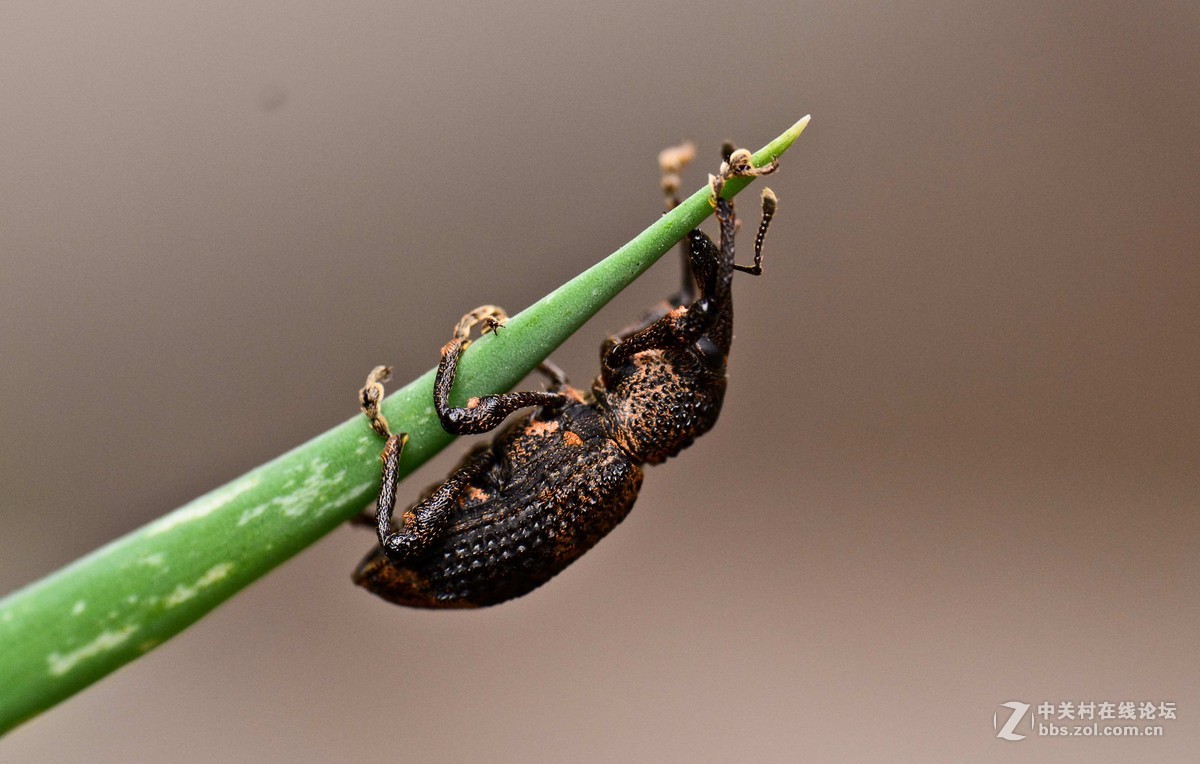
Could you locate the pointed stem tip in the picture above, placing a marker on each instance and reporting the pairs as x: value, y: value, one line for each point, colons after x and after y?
x: 775, y: 148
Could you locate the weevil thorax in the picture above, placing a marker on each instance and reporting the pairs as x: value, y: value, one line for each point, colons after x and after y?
x: 657, y: 401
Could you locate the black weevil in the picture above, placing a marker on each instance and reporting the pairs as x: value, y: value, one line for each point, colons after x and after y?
x: 553, y: 483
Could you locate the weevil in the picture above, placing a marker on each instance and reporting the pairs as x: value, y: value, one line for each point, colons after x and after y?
x: 555, y: 481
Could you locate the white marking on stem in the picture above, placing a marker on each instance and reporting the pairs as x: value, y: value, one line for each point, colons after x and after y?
x: 60, y: 664
x: 314, y: 488
x: 252, y: 513
x: 184, y: 593
x: 201, y: 507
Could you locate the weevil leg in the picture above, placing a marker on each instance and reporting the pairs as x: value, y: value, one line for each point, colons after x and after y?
x: 371, y: 395
x: 683, y: 324
x: 664, y: 332
x: 727, y: 150
x: 491, y: 316
x: 671, y: 162
x: 369, y: 399
x: 392, y: 451
x: 555, y: 376
x: 685, y: 313
x: 687, y: 323
x: 427, y: 522
x: 738, y: 164
x: 489, y: 411
x: 370, y: 517
x: 769, y: 205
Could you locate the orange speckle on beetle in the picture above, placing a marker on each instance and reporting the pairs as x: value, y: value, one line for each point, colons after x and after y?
x: 542, y: 428
x: 477, y: 494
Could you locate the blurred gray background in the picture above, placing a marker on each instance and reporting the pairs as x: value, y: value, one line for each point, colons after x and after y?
x: 958, y: 463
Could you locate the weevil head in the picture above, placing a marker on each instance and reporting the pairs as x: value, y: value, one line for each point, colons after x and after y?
x: 662, y: 386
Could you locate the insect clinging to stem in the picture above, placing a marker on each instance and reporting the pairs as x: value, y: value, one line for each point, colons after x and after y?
x: 551, y: 484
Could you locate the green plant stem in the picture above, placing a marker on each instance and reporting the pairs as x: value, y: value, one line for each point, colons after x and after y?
x: 62, y: 633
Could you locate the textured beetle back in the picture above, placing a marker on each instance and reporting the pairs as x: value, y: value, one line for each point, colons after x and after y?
x: 551, y: 490
x: 661, y: 401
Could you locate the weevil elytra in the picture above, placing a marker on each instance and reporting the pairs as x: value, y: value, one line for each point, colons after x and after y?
x: 555, y: 481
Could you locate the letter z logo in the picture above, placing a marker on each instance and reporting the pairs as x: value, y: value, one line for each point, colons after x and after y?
x: 1018, y: 713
